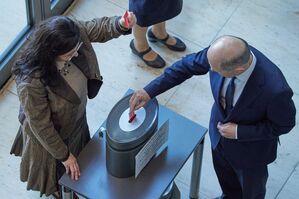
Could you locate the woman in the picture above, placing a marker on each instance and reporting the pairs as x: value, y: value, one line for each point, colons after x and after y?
x: 55, y: 74
x: 154, y: 12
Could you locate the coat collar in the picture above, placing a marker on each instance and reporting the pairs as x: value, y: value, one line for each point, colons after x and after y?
x: 216, y: 85
x: 218, y: 93
x: 62, y: 88
x: 81, y: 61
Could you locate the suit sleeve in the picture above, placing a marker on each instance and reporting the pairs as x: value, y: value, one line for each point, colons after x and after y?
x: 280, y: 120
x: 33, y: 98
x: 103, y: 29
x: 192, y: 64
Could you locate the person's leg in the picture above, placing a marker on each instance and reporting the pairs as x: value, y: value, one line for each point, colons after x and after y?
x: 226, y: 175
x: 160, y: 32
x: 141, y: 44
x: 253, y: 182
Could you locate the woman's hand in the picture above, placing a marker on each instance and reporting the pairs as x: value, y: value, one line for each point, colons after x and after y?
x: 72, y: 167
x: 131, y: 20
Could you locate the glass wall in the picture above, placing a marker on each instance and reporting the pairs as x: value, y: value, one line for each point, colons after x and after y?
x: 59, y: 6
x: 17, y: 17
x: 13, y: 19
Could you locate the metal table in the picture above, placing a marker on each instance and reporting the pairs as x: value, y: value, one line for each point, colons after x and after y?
x: 185, y: 137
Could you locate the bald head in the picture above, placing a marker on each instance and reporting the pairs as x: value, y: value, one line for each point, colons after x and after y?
x: 229, y: 52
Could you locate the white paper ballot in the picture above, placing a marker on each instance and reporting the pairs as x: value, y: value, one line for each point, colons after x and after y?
x: 151, y: 147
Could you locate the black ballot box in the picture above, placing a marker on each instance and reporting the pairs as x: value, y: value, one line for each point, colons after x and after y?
x: 184, y: 138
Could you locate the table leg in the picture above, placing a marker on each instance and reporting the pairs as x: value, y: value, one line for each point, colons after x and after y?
x: 196, y: 169
x: 66, y: 193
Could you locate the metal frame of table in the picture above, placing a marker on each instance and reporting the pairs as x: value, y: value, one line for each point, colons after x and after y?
x: 154, y: 178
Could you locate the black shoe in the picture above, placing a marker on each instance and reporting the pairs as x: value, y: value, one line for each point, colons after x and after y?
x: 179, y: 46
x: 157, y: 63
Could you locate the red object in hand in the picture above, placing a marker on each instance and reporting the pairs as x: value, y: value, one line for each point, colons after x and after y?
x: 132, y: 117
x: 126, y: 19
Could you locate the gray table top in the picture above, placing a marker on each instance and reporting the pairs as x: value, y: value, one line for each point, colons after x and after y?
x: 95, y: 182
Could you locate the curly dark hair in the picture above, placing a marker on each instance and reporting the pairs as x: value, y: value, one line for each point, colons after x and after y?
x: 51, y: 38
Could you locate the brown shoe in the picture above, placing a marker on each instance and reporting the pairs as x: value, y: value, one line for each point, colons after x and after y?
x: 75, y: 196
x: 56, y: 195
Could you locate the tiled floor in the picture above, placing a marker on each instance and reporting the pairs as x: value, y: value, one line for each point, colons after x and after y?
x: 271, y: 26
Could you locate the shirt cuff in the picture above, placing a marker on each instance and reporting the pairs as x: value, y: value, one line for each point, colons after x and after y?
x: 66, y: 157
x: 120, y: 28
x: 236, y: 132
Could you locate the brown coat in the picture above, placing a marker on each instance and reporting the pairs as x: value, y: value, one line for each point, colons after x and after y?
x: 48, y: 114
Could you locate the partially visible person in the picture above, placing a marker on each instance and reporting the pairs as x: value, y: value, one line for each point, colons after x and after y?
x: 154, y: 13
x: 253, y: 107
x: 55, y: 74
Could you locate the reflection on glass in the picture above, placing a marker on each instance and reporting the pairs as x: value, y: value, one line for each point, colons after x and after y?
x: 13, y: 20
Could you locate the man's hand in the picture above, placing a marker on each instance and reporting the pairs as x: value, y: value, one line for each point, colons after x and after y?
x: 138, y: 99
x: 128, y: 21
x: 227, y: 130
x: 72, y: 167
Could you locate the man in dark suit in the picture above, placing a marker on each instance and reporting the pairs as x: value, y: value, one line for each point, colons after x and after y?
x: 253, y: 107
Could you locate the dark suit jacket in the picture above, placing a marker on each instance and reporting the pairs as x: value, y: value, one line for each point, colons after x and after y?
x: 263, y: 112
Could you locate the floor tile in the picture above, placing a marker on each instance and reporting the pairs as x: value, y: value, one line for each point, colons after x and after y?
x: 291, y: 188
x: 272, y: 27
x: 11, y: 186
x: 200, y: 22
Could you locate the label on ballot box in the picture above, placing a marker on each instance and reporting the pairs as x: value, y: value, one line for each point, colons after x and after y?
x: 151, y: 147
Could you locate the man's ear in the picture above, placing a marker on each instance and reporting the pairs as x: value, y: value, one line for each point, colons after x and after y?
x: 240, y: 69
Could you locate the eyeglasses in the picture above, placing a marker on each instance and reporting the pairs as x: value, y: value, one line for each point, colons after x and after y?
x: 78, y: 46
x: 69, y: 55
x: 76, y: 50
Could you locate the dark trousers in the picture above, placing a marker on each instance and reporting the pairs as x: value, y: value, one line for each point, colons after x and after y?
x: 243, y: 183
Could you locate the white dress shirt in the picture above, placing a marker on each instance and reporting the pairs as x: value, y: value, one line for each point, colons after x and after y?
x: 240, y: 83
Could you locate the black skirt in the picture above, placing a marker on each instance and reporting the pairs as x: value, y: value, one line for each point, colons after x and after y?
x: 150, y: 12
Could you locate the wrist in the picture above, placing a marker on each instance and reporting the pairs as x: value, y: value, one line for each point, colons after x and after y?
x: 65, y: 157
x: 122, y: 30
x: 121, y: 26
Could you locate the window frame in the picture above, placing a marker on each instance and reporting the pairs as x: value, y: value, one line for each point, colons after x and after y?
x: 36, y: 10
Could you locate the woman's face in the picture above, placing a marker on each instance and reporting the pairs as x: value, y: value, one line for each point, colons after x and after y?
x: 69, y: 55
